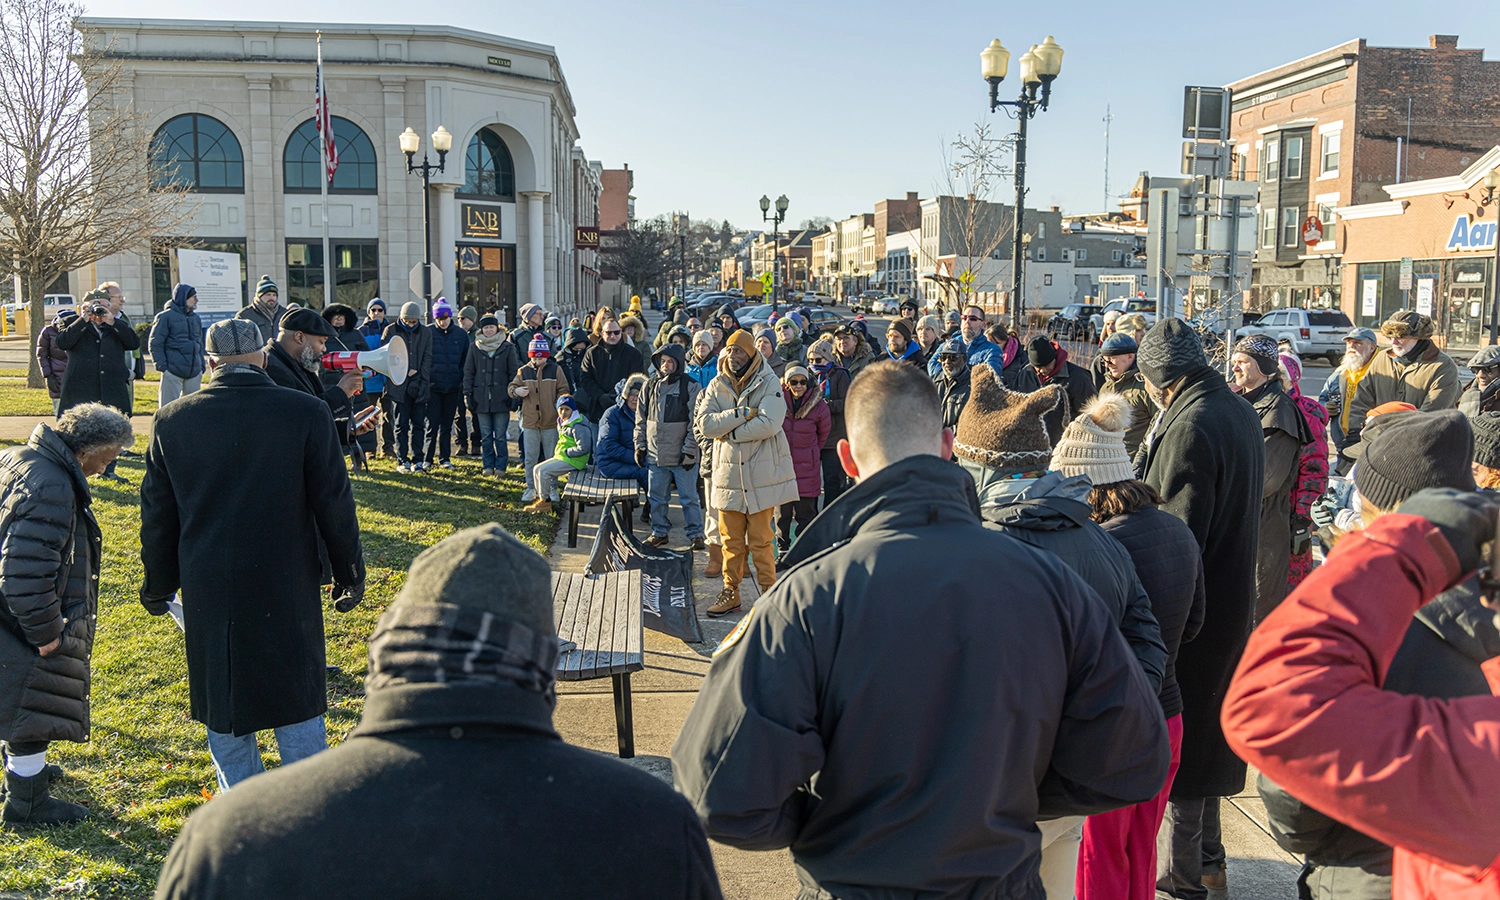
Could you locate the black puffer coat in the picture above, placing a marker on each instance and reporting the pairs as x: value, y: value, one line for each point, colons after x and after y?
x: 1171, y: 570
x: 418, y: 342
x: 605, y: 366
x: 96, y: 364
x: 487, y: 378
x: 50, y: 548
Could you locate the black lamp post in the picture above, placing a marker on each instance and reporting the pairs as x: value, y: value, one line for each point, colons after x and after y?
x: 1039, y: 67
x: 765, y: 216
x: 1491, y: 185
x: 411, y: 142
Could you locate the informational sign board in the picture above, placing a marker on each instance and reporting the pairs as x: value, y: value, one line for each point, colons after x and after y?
x: 1405, y: 273
x: 216, y: 278
x: 1426, y: 288
x: 1369, y: 302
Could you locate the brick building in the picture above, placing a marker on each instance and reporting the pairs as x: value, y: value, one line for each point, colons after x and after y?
x: 616, y: 202
x: 1322, y: 134
x: 1447, y: 227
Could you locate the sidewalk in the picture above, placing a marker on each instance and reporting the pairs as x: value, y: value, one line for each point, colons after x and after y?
x: 664, y: 692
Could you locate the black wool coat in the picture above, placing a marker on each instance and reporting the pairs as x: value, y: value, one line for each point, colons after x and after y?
x: 50, y: 548
x: 1207, y: 459
x: 242, y: 479
x: 96, y: 370
x: 604, y: 367
x: 445, y: 791
x: 487, y: 378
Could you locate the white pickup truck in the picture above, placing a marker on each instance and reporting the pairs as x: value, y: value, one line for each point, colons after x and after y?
x: 1311, y: 332
x: 1124, y: 306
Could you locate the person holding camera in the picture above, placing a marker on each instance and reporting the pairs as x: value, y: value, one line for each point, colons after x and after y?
x: 245, y: 482
x: 97, y: 343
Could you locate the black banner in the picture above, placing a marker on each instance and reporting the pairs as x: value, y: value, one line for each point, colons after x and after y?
x: 666, y: 576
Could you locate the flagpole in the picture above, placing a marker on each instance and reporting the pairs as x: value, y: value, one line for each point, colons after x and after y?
x: 323, y: 175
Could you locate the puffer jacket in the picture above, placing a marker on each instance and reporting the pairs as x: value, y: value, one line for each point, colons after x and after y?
x: 418, y: 342
x: 488, y: 377
x: 49, y: 570
x: 806, y: 426
x: 834, y: 379
x: 450, y: 349
x: 177, y: 337
x: 664, y: 419
x: 1052, y: 512
x: 863, y: 356
x: 1474, y: 401
x: 615, y: 454
x: 752, y: 464
x: 545, y: 381
x: 703, y: 372
x: 52, y: 358
x: 372, y: 332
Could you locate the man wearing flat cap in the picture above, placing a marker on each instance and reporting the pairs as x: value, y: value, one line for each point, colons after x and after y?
x: 455, y: 783
x: 244, y: 483
x: 1412, y: 370
x: 295, y: 357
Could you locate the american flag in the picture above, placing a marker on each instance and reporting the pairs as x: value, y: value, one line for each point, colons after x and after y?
x: 330, y: 150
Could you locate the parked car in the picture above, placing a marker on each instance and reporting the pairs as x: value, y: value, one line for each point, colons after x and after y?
x: 1310, y: 332
x: 813, y: 298
x: 53, y: 304
x: 1125, y: 305
x: 864, y: 301
x: 751, y: 316
x: 705, y: 304
x: 1074, y: 322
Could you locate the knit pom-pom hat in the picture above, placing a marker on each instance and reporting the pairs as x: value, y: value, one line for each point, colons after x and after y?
x: 1094, y: 443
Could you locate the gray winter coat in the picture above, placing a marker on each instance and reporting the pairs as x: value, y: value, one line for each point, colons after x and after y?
x: 267, y: 324
x: 487, y: 378
x: 1052, y: 513
x: 664, y: 418
x: 49, y: 589
x: 901, y: 726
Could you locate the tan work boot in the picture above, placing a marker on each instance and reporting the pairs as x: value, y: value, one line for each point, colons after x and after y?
x: 1217, y: 884
x: 540, y: 505
x: 715, y: 561
x: 728, y: 602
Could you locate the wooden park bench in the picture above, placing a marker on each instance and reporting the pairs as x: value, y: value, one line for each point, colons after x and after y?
x: 589, y: 488
x: 601, y: 615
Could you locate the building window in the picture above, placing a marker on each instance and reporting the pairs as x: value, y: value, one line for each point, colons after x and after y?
x: 1041, y: 230
x: 1268, y: 228
x: 1272, y: 156
x: 488, y: 169
x: 1047, y: 280
x: 1115, y: 255
x: 1081, y: 255
x: 303, y: 161
x: 356, y: 273
x: 1293, y: 158
x: 1241, y: 161
x: 200, y: 153
x: 1331, y: 142
x: 1291, y: 218
x: 1067, y: 255
x: 1041, y: 254
x: 1328, y: 214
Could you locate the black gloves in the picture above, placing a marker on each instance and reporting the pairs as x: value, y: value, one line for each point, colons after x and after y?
x: 348, y: 596
x: 156, y: 606
x: 640, y: 456
x: 1466, y: 519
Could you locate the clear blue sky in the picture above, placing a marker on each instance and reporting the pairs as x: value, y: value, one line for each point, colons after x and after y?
x: 838, y: 104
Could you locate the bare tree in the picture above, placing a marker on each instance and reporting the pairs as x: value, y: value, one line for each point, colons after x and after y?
x: 973, y: 225
x: 78, y: 182
x: 642, y: 254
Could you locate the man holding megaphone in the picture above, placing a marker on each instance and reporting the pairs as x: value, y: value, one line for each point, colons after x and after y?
x: 294, y: 359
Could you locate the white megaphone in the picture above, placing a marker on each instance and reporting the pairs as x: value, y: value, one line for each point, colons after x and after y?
x: 389, y: 360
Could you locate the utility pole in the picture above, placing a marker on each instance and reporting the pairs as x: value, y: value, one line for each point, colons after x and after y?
x: 1108, y: 118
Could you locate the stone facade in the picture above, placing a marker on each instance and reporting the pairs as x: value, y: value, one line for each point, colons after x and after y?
x: 508, y: 247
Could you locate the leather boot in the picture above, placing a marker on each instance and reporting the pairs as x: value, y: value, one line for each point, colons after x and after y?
x: 540, y: 505
x: 715, y: 561
x: 728, y: 602
x: 27, y: 802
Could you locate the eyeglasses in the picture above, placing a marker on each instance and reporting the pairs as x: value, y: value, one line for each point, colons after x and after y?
x: 798, y: 382
x: 554, y: 328
x: 972, y: 319
x: 612, y: 331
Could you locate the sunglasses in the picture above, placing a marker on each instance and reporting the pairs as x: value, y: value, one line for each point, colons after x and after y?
x: 798, y: 382
x: 613, y: 331
x: 973, y: 319
x: 554, y: 328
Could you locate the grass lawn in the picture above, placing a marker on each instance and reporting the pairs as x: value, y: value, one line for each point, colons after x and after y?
x: 146, y: 766
x: 16, y: 399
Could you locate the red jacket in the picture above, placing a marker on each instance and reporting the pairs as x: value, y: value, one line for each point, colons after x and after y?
x: 1306, y: 709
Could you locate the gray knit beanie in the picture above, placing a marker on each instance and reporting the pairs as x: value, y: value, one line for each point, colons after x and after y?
x: 1405, y: 452
x: 1169, y: 351
x: 484, y: 568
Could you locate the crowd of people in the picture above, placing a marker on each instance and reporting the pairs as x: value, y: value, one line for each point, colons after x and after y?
x: 1066, y: 729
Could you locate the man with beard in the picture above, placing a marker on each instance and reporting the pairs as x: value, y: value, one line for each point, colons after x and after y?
x: 1338, y: 392
x: 266, y: 311
x: 901, y: 344
x: 295, y: 357
x: 1049, y: 363
x: 1483, y: 393
x: 1255, y: 364
x: 1412, y: 371
x: 953, y: 383
x: 605, y: 365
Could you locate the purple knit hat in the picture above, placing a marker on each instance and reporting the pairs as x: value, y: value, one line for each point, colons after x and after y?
x: 441, y: 308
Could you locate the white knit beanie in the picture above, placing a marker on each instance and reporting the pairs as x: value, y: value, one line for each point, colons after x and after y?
x: 1094, y: 443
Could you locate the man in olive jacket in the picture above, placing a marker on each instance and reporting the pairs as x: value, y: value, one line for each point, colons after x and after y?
x: 1412, y: 370
x: 242, y: 480
x: 904, y: 743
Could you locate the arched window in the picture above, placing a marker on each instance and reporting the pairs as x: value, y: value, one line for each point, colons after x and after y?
x: 200, y: 152
x: 302, y: 161
x: 488, y: 170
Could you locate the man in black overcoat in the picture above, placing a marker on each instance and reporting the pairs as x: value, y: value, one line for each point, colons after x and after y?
x: 1206, y: 456
x: 242, y: 480
x: 96, y: 343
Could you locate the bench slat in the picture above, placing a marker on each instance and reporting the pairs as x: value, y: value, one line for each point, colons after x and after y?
x: 584, y: 605
x: 635, y: 659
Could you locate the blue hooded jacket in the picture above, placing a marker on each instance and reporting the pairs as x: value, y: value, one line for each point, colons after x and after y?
x: 615, y: 454
x: 177, y: 336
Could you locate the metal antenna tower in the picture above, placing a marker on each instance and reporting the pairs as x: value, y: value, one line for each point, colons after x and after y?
x: 1108, y: 118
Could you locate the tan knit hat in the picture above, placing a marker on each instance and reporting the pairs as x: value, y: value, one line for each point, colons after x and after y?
x: 1004, y: 429
x: 1094, y: 443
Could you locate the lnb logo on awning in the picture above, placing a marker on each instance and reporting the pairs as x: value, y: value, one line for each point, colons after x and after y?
x: 1476, y: 236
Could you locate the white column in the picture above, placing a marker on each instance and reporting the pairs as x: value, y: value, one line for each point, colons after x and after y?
x: 536, y: 257
x: 443, y: 253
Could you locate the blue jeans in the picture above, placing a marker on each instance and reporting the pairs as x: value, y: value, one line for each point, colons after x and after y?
x: 493, y: 447
x: 238, y: 758
x: 661, y: 479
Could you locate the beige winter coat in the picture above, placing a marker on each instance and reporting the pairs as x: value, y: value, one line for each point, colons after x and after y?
x: 752, y: 463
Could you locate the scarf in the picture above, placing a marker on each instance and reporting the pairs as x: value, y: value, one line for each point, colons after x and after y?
x: 489, y: 344
x: 424, y: 643
x: 740, y: 382
x: 1057, y: 365
x: 1009, y: 351
x: 1352, y: 378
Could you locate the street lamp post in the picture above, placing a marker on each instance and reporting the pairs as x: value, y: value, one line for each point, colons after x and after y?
x: 765, y: 216
x: 1039, y: 68
x: 411, y: 142
x: 1491, y: 185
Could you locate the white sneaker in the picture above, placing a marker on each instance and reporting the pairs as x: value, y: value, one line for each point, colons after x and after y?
x: 403, y: 468
x: 446, y: 464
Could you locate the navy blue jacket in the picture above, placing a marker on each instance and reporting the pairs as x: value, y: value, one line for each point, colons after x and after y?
x: 372, y: 332
x: 177, y: 337
x: 615, y: 454
x: 450, y: 348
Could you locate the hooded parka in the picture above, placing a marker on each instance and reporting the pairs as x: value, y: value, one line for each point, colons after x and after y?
x: 752, y: 464
x: 50, y: 548
x: 664, y: 418
x: 177, y: 337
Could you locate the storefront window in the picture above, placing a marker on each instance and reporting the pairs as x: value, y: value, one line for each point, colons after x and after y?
x: 356, y: 273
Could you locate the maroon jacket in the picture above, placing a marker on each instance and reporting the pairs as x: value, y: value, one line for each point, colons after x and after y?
x: 54, y: 361
x: 806, y: 430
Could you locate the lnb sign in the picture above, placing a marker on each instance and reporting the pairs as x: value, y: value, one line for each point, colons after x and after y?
x: 1471, y: 236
